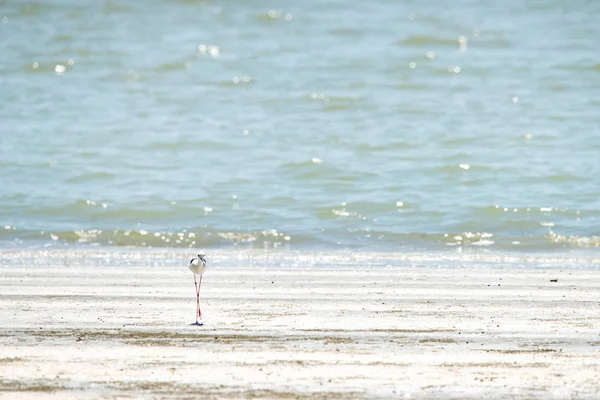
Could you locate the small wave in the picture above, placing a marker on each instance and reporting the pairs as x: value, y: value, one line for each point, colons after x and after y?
x: 269, y: 238
x: 492, y: 41
x: 536, y: 211
x: 463, y: 167
x: 189, y: 145
x: 566, y: 178
x: 360, y: 210
x: 63, y: 38
x: 33, y: 9
x: 574, y: 240
x: 577, y: 67
x: 346, y: 32
x: 174, y: 66
x: 237, y: 81
x: 388, y: 147
x: 310, y: 169
x: 469, y: 238
x: 92, y: 176
x: 112, y: 7
x: 348, y: 235
x: 419, y: 40
x: 413, y: 86
x: 59, y: 67
x: 273, y: 16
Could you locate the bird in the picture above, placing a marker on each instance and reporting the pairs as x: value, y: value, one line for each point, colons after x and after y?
x: 198, y: 266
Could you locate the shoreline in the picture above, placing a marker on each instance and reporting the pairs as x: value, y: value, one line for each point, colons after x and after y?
x: 250, y: 258
x: 98, y: 331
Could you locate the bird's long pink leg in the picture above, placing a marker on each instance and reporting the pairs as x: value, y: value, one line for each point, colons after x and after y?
x: 197, y: 297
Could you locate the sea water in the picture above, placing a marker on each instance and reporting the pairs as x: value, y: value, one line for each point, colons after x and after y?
x: 379, y: 126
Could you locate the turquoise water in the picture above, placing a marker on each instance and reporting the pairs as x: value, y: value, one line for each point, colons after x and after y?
x: 373, y: 126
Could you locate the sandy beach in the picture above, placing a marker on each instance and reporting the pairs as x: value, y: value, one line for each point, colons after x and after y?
x: 71, y: 330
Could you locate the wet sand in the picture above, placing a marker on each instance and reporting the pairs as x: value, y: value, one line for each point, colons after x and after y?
x: 424, y: 332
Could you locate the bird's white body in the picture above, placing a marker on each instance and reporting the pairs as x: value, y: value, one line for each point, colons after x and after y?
x: 198, y: 264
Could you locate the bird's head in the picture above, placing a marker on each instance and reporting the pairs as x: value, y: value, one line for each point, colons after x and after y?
x: 201, y: 254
